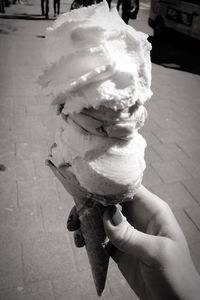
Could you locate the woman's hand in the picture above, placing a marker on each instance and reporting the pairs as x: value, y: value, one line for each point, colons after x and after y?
x: 150, y: 249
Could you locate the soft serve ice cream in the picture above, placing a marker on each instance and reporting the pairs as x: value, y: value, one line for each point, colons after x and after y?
x: 99, y: 74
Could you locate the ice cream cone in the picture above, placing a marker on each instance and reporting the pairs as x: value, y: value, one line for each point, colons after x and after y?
x: 94, y: 236
x: 90, y: 215
x: 99, y: 74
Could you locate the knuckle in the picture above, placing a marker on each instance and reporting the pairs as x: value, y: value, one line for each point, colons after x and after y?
x: 73, y: 222
x: 164, y: 252
x: 163, y: 205
x: 123, y: 237
x: 79, y: 239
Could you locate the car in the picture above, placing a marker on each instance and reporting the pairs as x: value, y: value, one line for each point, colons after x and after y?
x: 181, y: 16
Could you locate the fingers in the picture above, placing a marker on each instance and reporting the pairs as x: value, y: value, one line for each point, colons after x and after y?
x: 73, y: 222
x: 147, y: 208
x: 129, y: 240
x: 78, y: 239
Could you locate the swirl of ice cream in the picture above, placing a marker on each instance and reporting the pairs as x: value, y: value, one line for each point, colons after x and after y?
x: 94, y: 59
x: 99, y: 72
x: 102, y: 165
x: 104, y: 121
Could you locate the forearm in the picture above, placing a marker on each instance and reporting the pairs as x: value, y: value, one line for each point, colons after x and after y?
x: 190, y: 284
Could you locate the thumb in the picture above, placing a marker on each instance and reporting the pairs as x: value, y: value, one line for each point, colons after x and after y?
x: 128, y: 239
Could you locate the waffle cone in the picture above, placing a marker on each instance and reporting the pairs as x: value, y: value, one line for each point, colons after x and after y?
x: 90, y: 214
x: 90, y: 208
x: 94, y: 235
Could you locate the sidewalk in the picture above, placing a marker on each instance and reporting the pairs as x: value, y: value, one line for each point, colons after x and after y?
x: 38, y: 259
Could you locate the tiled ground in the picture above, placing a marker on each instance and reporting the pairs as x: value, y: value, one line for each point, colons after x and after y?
x: 38, y: 260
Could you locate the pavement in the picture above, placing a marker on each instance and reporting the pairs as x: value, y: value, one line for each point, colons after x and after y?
x: 38, y: 259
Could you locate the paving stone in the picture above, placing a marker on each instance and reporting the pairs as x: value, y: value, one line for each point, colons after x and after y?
x: 78, y: 286
x: 26, y: 81
x: 167, y: 135
x: 37, y: 191
x: 5, y: 122
x: 55, y: 217
x: 169, y: 152
x: 175, y: 195
x: 166, y: 123
x: 151, y: 155
x: 150, y: 138
x: 151, y: 177
x: 178, y: 117
x: 159, y: 104
x: 171, y: 171
x: 7, y: 148
x: 190, y: 230
x: 39, y: 109
x: 10, y: 264
x: 193, y: 187
x: 118, y: 285
x: 31, y: 125
x: 192, y: 166
x: 189, y: 121
x: 196, y: 156
x: 20, y: 109
x: 41, y: 170
x: 40, y: 129
x: 30, y: 150
x: 6, y: 135
x: 8, y: 192
x: 6, y: 104
x: 33, y: 100
x: 36, y: 291
x: 177, y: 135
x: 79, y: 254
x: 17, y: 169
x: 51, y: 122
x: 8, y: 107
x: 190, y: 147
x: 47, y: 256
x: 190, y: 134
x: 22, y: 222
x: 150, y: 123
x: 194, y: 214
x: 20, y: 134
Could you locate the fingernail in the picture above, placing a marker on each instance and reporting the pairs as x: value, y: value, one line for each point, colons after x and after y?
x: 70, y: 219
x: 79, y: 240
x: 115, y: 215
x: 73, y: 223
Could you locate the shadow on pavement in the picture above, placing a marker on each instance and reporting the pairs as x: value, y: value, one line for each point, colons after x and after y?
x: 176, y: 51
x: 40, y: 36
x: 7, y: 29
x: 33, y: 17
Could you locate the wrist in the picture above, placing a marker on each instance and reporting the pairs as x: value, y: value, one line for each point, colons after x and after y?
x: 193, y: 285
x: 189, y: 288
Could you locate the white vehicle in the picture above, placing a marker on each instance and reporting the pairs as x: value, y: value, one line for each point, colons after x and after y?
x: 182, y: 16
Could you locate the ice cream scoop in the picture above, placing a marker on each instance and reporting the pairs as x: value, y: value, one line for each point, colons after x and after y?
x: 94, y: 59
x: 111, y: 123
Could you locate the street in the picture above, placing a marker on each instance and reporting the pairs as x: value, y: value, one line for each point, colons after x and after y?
x: 38, y: 259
